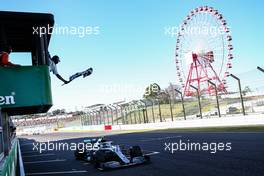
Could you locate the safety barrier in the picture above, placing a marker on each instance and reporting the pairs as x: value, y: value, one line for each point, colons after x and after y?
x: 10, y: 162
x: 213, y: 122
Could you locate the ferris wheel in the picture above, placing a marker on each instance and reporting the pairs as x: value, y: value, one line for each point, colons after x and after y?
x: 203, y: 51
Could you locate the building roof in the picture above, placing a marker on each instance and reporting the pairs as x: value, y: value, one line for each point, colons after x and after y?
x: 16, y: 28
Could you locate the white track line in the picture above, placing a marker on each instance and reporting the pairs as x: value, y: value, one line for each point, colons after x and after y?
x: 53, y: 173
x: 152, y: 153
x: 159, y: 139
x: 46, y: 161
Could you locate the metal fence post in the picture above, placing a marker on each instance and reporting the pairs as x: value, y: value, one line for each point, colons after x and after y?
x: 216, y: 96
x: 182, y: 100
x: 199, y: 101
x: 240, y: 92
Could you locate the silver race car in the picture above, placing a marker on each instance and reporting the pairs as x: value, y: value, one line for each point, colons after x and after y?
x: 105, y: 155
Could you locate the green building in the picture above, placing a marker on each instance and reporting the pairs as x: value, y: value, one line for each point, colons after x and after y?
x: 24, y: 89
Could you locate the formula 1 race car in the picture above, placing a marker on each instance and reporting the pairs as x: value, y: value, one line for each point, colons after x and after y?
x: 105, y: 155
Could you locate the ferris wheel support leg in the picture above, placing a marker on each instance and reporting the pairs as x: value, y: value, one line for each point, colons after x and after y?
x: 187, y: 84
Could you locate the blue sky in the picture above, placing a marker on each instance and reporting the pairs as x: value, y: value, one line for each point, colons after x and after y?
x: 132, y: 49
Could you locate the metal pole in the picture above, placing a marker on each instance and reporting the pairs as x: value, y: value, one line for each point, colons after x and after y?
x: 182, y: 100
x: 216, y: 96
x: 152, y: 109
x: 171, y: 109
x: 145, y: 104
x: 86, y: 120
x: 121, y: 113
x: 134, y: 105
x: 107, y: 114
x: 112, y: 115
x: 159, y: 110
x: 94, y: 117
x: 103, y: 115
x: 97, y: 119
x: 89, y: 115
x: 139, y: 114
x: 260, y: 69
x: 240, y: 92
x: 135, y: 119
x: 131, y: 110
x: 199, y: 101
x: 82, y: 120
x: 126, y: 121
x: 116, y: 113
x: 143, y: 114
x: 130, y: 113
x: 90, y: 118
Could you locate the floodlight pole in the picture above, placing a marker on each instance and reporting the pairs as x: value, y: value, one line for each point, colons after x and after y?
x: 182, y: 100
x: 260, y: 69
x: 199, y: 101
x: 216, y: 96
x: 240, y: 92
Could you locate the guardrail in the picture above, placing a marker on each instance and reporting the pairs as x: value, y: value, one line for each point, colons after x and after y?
x: 21, y: 170
x: 11, y: 164
x: 213, y: 122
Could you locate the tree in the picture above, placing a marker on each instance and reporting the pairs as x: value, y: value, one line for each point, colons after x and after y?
x: 59, y: 111
x: 164, y: 97
x: 171, y: 91
x: 152, y: 91
x: 246, y: 90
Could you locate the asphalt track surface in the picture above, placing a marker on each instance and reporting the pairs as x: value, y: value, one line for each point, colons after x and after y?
x: 246, y: 157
